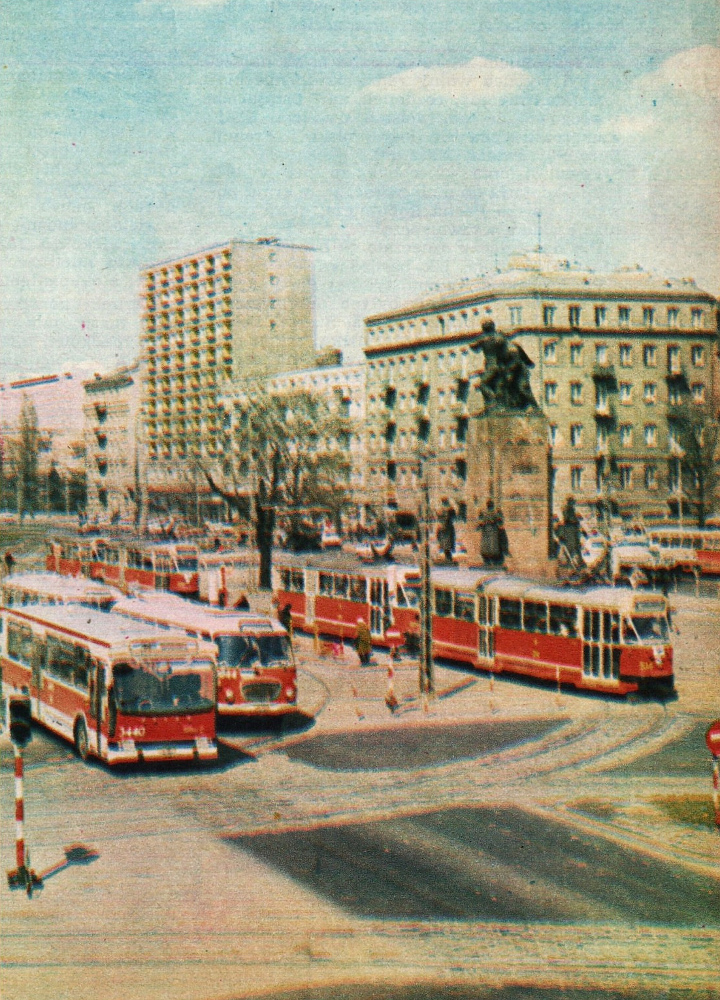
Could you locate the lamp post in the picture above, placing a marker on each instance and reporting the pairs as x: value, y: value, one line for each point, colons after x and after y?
x: 426, y: 677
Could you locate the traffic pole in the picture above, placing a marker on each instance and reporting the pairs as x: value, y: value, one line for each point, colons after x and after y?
x: 716, y: 791
x: 22, y: 877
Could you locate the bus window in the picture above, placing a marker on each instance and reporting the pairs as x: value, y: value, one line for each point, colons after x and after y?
x: 563, y: 620
x: 443, y: 603
x: 19, y: 643
x: 240, y: 651
x: 465, y: 607
x: 60, y: 660
x: 510, y: 613
x: 158, y: 687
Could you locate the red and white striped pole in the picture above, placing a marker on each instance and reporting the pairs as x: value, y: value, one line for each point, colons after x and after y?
x: 712, y: 738
x: 19, y: 810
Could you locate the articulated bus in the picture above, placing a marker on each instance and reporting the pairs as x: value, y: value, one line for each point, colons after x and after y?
x: 256, y: 672
x: 693, y: 550
x: 125, y: 563
x: 22, y: 589
x: 604, y: 639
x: 333, y: 593
x: 120, y: 690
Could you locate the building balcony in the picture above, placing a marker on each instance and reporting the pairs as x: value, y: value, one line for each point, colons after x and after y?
x: 605, y: 413
x: 605, y: 374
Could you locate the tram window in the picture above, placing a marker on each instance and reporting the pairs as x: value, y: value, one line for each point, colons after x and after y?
x: 535, y: 617
x: 697, y: 542
x: 443, y: 603
x: 358, y: 589
x: 615, y: 627
x: 326, y: 584
x: 483, y: 611
x: 285, y: 579
x: 297, y: 579
x: 510, y: 613
x: 19, y: 643
x: 563, y: 620
x: 465, y: 607
x: 341, y: 586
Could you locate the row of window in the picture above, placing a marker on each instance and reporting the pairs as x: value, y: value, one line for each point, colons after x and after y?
x: 625, y: 478
x: 601, y: 316
x: 676, y: 392
x: 625, y: 354
x: 626, y: 435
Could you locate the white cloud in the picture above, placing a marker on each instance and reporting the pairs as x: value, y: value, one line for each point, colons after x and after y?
x: 694, y: 71
x: 478, y: 79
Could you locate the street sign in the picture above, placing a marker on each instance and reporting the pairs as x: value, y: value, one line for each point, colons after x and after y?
x: 712, y: 738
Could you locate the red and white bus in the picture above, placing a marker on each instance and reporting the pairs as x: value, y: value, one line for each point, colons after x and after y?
x: 604, y: 639
x: 256, y: 672
x: 120, y: 690
x: 331, y: 594
x: 127, y: 563
x: 22, y: 589
x: 691, y: 550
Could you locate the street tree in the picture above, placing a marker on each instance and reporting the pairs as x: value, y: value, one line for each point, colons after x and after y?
x: 696, y: 437
x: 284, y: 454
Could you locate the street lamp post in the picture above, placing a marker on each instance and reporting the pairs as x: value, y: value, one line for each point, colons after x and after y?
x: 426, y: 678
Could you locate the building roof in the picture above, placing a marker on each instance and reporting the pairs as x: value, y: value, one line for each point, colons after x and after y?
x: 546, y: 275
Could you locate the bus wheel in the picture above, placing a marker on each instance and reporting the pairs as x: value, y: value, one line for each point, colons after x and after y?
x: 81, y: 739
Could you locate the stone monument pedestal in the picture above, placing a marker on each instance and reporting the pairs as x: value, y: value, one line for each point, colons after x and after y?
x: 508, y: 463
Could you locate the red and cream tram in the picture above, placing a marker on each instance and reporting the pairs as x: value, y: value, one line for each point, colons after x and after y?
x: 603, y: 639
x: 331, y: 594
x: 256, y: 672
x: 692, y: 550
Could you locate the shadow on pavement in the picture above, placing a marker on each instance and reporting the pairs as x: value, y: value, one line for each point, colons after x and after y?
x: 448, y: 991
x: 279, y: 725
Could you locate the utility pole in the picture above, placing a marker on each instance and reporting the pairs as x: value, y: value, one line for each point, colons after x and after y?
x: 426, y: 679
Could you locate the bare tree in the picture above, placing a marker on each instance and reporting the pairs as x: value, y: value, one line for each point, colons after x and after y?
x: 284, y: 452
x: 697, y: 436
x: 26, y: 451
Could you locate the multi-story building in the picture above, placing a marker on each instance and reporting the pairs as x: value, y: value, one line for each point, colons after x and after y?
x: 111, y: 411
x: 229, y: 312
x: 614, y: 354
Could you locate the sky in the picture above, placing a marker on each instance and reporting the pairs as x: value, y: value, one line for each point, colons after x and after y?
x: 410, y: 142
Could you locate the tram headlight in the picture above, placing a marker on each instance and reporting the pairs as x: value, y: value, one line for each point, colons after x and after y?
x: 290, y: 692
x: 229, y: 695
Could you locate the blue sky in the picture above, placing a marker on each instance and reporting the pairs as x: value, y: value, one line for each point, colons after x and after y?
x: 411, y: 143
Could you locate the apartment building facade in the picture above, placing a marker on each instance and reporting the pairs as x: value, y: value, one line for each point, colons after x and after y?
x: 210, y: 318
x: 614, y: 355
x: 111, y: 432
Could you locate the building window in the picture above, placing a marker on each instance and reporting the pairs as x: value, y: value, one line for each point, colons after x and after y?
x: 550, y: 393
x: 515, y: 315
x: 626, y: 435
x: 650, y: 435
x: 625, y: 390
x: 697, y: 319
x: 674, y: 395
x: 576, y: 476
x: 650, y: 393
x: 548, y: 315
x: 602, y: 404
x: 698, y: 356
x: 601, y: 439
x: 648, y: 315
x: 625, y: 477
x: 576, y: 393
x: 392, y: 471
x: 574, y: 317
x: 600, y: 315
x: 623, y: 316
x: 601, y: 354
x: 698, y: 392
x: 550, y: 352
x: 576, y: 434
x: 651, y: 480
x: 552, y: 435
x: 576, y: 354
x: 673, y: 356
x: 649, y: 355
x: 672, y: 317
x: 626, y: 355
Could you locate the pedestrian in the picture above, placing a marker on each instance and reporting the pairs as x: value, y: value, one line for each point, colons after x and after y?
x: 285, y: 617
x: 390, y: 697
x: 9, y: 562
x: 363, y: 642
x: 493, y: 541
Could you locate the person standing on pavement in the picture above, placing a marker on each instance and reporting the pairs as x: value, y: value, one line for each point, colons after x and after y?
x: 9, y: 562
x: 363, y: 642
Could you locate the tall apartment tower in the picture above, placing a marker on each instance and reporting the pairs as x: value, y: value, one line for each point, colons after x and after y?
x: 212, y: 318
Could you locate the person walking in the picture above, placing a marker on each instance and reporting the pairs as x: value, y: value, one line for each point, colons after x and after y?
x: 363, y: 642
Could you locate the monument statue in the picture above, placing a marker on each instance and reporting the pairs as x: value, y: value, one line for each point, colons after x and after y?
x: 505, y: 380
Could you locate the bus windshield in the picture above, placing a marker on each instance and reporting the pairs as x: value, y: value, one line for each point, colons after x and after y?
x: 163, y: 687
x: 647, y: 629
x: 253, y: 651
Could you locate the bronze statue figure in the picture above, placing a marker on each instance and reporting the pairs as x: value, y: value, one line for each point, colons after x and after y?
x: 505, y: 380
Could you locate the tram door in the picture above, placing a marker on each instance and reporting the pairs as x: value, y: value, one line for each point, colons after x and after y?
x: 379, y: 606
x: 162, y: 571
x: 486, y: 637
x: 601, y: 651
